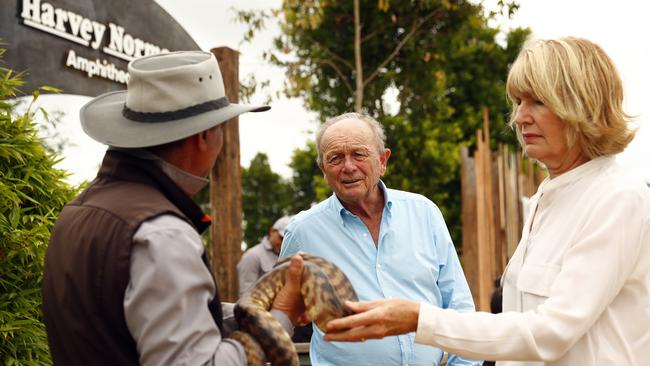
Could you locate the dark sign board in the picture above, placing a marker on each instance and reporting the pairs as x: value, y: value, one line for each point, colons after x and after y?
x: 84, y: 46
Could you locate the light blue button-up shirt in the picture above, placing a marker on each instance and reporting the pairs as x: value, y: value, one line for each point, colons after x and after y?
x: 415, y: 259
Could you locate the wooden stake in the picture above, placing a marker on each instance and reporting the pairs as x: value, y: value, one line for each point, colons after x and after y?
x: 225, y: 188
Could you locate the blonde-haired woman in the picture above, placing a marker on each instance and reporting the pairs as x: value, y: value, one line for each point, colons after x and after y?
x: 577, y: 289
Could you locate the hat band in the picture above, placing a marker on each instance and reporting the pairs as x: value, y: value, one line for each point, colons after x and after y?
x: 153, y: 117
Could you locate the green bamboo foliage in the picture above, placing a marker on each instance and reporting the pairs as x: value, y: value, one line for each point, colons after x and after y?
x: 32, y: 193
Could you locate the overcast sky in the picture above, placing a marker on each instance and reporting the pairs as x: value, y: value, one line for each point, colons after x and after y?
x: 620, y: 27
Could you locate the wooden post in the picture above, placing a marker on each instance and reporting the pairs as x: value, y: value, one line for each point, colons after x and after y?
x: 491, y: 196
x: 482, y: 292
x: 225, y: 188
x: 470, y: 239
x: 513, y: 204
x: 500, y: 211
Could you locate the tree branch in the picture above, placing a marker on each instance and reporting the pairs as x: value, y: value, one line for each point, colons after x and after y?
x: 414, y: 28
x: 381, y: 29
x: 358, y: 95
x: 338, y: 71
x: 375, y: 32
x: 332, y: 54
x: 337, y: 57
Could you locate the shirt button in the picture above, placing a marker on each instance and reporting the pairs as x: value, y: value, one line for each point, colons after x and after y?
x: 378, y: 265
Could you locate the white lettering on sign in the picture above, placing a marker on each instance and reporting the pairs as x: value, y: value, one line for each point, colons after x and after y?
x: 100, y: 68
x: 126, y: 47
x: 87, y: 32
x: 62, y: 23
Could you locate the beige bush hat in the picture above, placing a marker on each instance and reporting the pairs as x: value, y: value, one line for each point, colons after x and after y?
x: 169, y: 97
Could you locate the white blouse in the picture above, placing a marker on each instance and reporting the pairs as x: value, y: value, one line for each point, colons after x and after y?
x: 577, y: 289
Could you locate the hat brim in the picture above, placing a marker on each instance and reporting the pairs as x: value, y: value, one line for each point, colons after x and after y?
x: 102, y: 119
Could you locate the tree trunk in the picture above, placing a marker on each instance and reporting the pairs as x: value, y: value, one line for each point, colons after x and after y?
x: 225, y: 188
x: 358, y: 94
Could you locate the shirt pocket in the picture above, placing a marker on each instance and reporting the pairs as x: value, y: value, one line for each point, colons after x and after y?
x: 535, y: 282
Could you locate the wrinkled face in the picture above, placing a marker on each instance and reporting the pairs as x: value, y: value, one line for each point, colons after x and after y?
x: 351, y: 163
x: 543, y: 133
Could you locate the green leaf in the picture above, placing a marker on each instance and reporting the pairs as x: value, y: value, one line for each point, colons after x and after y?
x: 31, y: 195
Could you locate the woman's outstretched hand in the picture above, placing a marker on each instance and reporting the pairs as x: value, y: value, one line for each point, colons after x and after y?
x: 374, y: 319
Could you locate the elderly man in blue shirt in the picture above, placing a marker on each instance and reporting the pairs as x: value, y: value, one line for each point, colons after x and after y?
x: 389, y: 243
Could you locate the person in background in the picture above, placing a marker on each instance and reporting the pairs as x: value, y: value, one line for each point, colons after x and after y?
x: 260, y: 259
x: 389, y: 243
x: 577, y: 289
x: 126, y: 278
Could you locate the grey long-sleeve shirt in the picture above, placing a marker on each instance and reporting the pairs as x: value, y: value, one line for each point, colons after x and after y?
x: 255, y: 263
x: 165, y: 302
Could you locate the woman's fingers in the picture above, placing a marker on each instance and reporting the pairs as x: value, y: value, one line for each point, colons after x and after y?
x: 362, y: 316
x: 352, y: 321
x: 374, y: 319
x: 361, y: 306
x: 359, y: 334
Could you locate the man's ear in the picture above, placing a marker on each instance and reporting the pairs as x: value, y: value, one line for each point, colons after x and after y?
x: 201, y: 140
x: 383, y: 159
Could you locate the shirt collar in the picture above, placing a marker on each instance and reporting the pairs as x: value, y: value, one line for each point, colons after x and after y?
x: 189, y: 183
x: 575, y: 174
x: 338, y: 206
x: 266, y: 243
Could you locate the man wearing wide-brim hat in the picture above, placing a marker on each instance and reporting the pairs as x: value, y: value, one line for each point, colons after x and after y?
x: 126, y: 278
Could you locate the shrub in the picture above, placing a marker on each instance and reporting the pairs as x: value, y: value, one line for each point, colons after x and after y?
x: 32, y: 192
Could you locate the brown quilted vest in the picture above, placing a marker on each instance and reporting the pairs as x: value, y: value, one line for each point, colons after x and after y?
x: 88, y: 259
